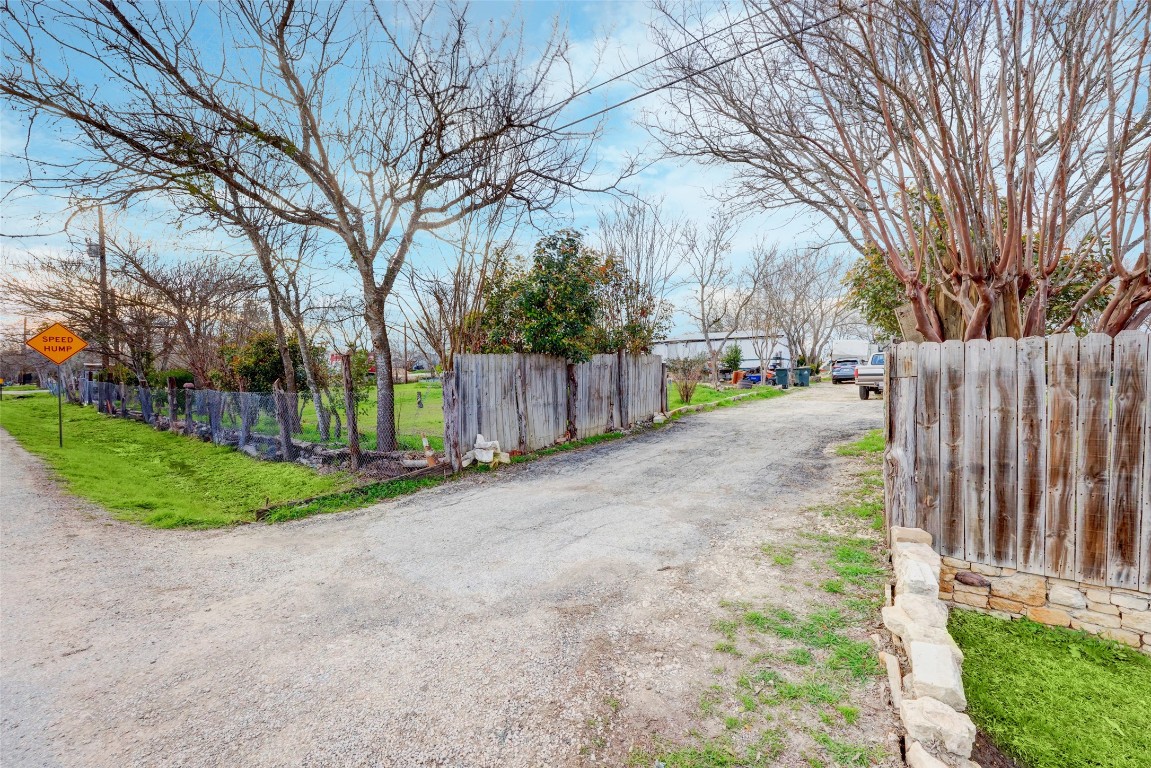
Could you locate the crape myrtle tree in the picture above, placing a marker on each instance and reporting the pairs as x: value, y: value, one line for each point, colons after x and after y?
x: 988, y: 147
x: 372, y: 123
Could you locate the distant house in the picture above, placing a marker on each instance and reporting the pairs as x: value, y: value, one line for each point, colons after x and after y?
x: 750, y: 343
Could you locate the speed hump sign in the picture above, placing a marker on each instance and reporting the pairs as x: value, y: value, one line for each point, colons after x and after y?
x: 56, y: 343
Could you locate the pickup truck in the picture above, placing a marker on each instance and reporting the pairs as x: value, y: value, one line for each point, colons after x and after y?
x: 869, y: 377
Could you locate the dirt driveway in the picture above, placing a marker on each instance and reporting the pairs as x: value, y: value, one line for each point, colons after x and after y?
x: 483, y: 623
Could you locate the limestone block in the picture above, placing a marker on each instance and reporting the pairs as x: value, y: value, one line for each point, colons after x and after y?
x: 1098, y: 595
x: 1129, y: 602
x: 1122, y: 636
x: 970, y: 598
x: 1110, y: 610
x: 913, y: 576
x: 923, y: 610
x: 1021, y: 587
x: 962, y: 586
x: 918, y: 551
x: 913, y: 535
x: 900, y: 624
x: 935, y: 673
x: 918, y: 757
x: 1001, y: 604
x: 1061, y: 595
x: 961, y: 565
x: 1137, y: 621
x: 931, y: 721
x: 1051, y: 616
x: 1099, y: 619
x: 986, y: 570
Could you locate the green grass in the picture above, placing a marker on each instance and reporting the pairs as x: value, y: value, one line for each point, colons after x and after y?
x: 157, y: 478
x: 1053, y: 698
x: 21, y: 387
x: 705, y: 395
x: 870, y: 443
x: 411, y: 421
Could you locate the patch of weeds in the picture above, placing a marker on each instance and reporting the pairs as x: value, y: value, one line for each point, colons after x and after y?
x: 869, y: 510
x: 800, y: 656
x: 713, y: 753
x: 613, y: 703
x: 834, y: 586
x: 868, y: 445
x: 814, y: 762
x: 781, y: 556
x: 855, y: 657
x: 718, y: 670
x: 748, y: 702
x: 850, y: 714
x: 811, y: 691
x: 726, y: 647
x: 848, y: 754
x: 733, y: 723
x: 725, y: 627
x: 708, y: 701
x: 739, y: 605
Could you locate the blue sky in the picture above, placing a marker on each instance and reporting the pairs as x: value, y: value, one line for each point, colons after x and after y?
x: 613, y: 33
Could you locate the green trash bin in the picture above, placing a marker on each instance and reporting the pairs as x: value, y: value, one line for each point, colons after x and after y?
x: 781, y: 376
x: 803, y: 376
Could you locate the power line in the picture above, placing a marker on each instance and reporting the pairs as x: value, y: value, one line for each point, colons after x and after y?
x: 773, y: 41
x: 658, y: 59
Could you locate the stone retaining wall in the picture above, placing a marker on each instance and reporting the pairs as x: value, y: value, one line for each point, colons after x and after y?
x: 1118, y: 614
x: 929, y: 698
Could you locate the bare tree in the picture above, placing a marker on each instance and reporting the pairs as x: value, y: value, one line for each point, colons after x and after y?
x: 639, y: 240
x: 801, y: 293
x: 327, y: 115
x: 719, y: 294
x: 985, y: 149
x: 445, y: 307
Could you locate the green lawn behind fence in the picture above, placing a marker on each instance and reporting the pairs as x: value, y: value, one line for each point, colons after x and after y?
x: 1053, y: 698
x: 158, y: 478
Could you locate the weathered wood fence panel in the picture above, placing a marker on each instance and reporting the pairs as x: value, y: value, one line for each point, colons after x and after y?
x: 1032, y: 454
x: 527, y: 402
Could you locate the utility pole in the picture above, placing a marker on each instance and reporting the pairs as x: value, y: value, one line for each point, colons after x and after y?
x: 102, y: 245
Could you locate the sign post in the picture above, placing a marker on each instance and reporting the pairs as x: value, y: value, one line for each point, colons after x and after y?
x: 57, y: 343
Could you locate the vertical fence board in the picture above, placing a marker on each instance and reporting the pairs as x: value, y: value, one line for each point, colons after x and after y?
x: 901, y: 453
x: 1062, y: 407
x: 951, y: 534
x: 1030, y: 515
x: 927, y: 440
x: 976, y: 449
x: 1128, y: 448
x: 1145, y: 547
x: 1003, y: 488
x: 1094, y: 428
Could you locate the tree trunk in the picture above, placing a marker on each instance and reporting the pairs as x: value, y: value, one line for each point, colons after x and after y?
x: 284, y: 419
x: 309, y: 362
x: 350, y: 409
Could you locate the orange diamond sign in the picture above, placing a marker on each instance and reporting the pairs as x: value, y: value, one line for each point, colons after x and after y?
x: 56, y: 343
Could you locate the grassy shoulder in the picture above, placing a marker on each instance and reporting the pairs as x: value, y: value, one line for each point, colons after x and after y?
x: 156, y: 478
x: 1053, y: 698
x: 708, y: 397
x: 794, y: 675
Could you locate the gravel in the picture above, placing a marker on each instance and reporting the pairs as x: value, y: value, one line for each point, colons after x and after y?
x: 488, y: 622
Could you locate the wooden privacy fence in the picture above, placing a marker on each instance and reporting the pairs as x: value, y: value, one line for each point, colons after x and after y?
x: 528, y: 402
x: 1033, y: 454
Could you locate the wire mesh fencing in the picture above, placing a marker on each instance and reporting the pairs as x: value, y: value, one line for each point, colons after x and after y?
x: 261, y: 424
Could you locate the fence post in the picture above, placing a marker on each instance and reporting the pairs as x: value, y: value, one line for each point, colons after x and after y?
x: 350, y: 411
x: 123, y: 400
x: 284, y: 419
x: 573, y: 387
x: 520, y: 383
x: 216, y: 415
x: 622, y: 383
x: 189, y: 389
x: 171, y: 404
x: 146, y: 402
x: 663, y: 385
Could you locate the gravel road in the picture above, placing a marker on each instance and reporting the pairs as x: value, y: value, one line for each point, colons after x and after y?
x: 482, y: 623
